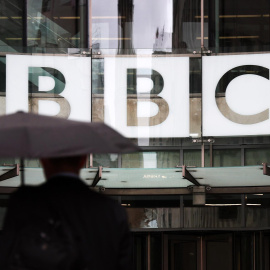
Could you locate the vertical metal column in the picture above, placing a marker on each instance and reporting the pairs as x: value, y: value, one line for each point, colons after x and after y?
x: 181, y: 211
x: 254, y: 251
x: 91, y: 160
x: 211, y: 154
x: 81, y: 25
x: 119, y: 160
x: 242, y: 156
x: 22, y: 170
x: 181, y: 157
x: 243, y: 210
x: 202, y: 47
x: 202, y: 156
x: 201, y: 253
x: 90, y: 24
x: 202, y: 24
x: 148, y: 251
x: 24, y: 25
x: 217, y: 26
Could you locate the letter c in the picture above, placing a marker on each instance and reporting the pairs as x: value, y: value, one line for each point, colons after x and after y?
x: 222, y: 87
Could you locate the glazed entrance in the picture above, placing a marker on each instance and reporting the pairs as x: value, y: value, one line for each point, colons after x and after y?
x: 201, y: 250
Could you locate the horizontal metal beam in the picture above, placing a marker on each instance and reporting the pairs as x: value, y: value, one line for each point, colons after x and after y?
x: 166, y: 191
x: 183, y: 191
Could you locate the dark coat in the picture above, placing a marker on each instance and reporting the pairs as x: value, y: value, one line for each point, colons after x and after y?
x: 99, y: 223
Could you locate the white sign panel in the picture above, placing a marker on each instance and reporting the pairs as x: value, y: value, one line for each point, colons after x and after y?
x: 59, y: 85
x: 147, y: 97
x: 236, y: 95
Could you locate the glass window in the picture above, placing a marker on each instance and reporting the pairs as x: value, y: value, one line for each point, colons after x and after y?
x: 193, y: 158
x: 237, y: 26
x: 153, y: 211
x: 161, y: 159
x: 257, y: 156
x: 30, y: 163
x: 161, y: 25
x: 220, y: 211
x: 12, y: 26
x: 154, y: 217
x: 258, y: 210
x: 156, y: 251
x: 227, y: 157
x: 105, y: 160
x: 56, y: 24
x: 139, y: 254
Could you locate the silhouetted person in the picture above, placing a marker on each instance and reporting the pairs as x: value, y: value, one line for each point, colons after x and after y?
x: 93, y: 226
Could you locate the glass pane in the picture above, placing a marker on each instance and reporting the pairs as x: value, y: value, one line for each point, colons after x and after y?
x: 151, y: 201
x: 152, y: 211
x: 156, y: 251
x: 168, y: 159
x: 161, y: 25
x: 154, y: 217
x: 182, y: 254
x: 11, y: 22
x: 227, y: 158
x: 220, y: 211
x: 161, y: 159
x: 105, y: 160
x: 241, y: 26
x: 219, y: 254
x: 193, y: 158
x: 244, y: 248
x: 257, y: 156
x: 56, y: 24
x: 30, y: 163
x: 258, y: 210
x: 139, y: 251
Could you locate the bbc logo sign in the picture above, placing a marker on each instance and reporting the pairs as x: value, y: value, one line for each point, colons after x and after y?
x: 146, y: 96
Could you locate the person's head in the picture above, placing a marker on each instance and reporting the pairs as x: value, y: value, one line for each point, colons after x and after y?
x: 54, y: 166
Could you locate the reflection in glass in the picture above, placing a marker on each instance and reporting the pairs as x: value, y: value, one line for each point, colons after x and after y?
x: 11, y: 24
x: 105, y: 160
x: 237, y: 26
x: 56, y: 24
x: 164, y: 26
x: 154, y: 217
x: 153, y: 211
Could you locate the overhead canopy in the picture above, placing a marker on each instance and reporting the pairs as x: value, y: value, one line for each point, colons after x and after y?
x: 121, y: 178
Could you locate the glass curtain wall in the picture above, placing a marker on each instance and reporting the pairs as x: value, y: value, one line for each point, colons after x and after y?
x: 151, y: 38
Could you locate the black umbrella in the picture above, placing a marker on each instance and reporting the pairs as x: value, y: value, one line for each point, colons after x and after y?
x: 28, y: 135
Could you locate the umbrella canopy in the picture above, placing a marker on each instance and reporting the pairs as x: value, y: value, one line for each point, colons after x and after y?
x: 28, y: 135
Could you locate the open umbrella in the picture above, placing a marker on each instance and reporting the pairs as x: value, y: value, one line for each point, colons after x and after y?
x: 28, y: 135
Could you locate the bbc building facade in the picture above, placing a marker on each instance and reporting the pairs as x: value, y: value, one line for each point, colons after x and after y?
x: 186, y: 80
